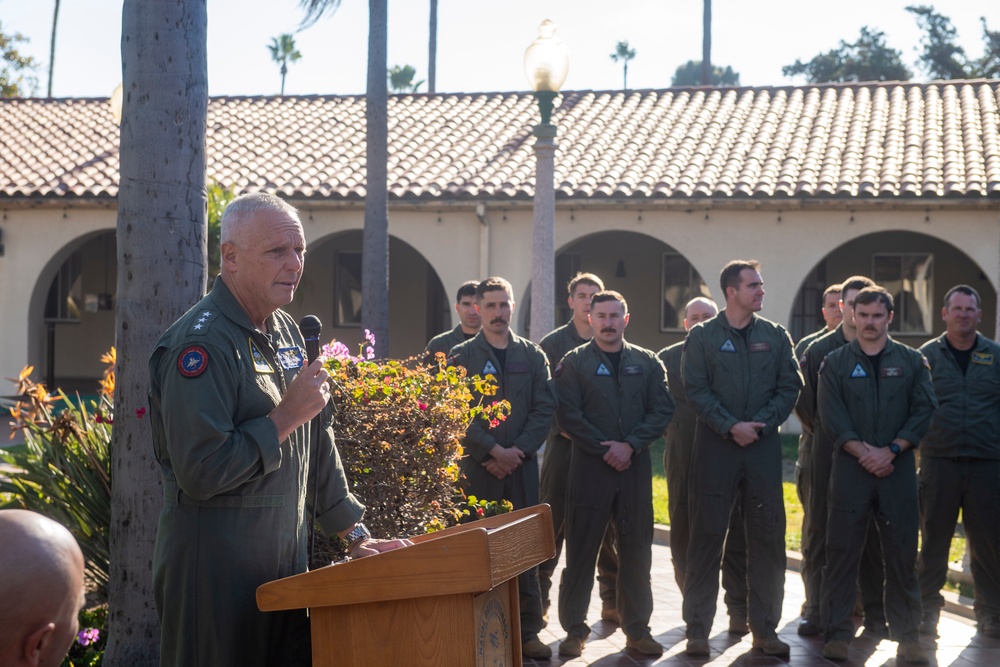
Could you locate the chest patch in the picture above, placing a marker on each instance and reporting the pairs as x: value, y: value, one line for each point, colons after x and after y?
x: 193, y: 361
x: 489, y: 368
x: 632, y: 370
x: 728, y: 346
x: 891, y: 372
x: 858, y: 371
x: 602, y: 370
x: 760, y: 347
x: 518, y: 367
x: 291, y: 358
x: 982, y: 358
x: 259, y: 362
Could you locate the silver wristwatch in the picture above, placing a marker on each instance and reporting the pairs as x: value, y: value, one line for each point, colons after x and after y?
x: 357, y: 535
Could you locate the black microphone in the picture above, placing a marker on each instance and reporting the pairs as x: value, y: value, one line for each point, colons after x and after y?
x: 310, y: 326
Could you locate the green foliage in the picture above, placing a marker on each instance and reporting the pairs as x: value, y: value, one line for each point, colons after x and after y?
x: 88, y: 649
x: 943, y: 58
x: 623, y: 53
x: 399, y: 427
x: 283, y: 51
x: 689, y: 74
x: 401, y: 79
x: 63, y: 470
x: 16, y: 69
x: 867, y: 59
x: 218, y: 198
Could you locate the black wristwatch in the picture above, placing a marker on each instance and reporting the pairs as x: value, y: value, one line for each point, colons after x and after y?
x: 357, y: 535
x: 894, y: 448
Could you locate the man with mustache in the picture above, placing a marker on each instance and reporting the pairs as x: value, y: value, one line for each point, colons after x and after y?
x: 814, y: 467
x: 960, y: 461
x: 677, y: 464
x: 499, y: 461
x: 613, y: 402
x: 468, y: 323
x: 875, y: 400
x: 741, y: 378
x: 555, y: 463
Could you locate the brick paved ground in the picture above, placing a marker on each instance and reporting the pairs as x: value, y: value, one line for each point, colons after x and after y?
x: 959, y: 645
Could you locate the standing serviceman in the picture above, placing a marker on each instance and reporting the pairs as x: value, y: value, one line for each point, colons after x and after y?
x: 832, y: 316
x: 231, y: 404
x: 813, y: 477
x: 875, y: 401
x: 500, y: 463
x: 742, y: 379
x: 613, y: 402
x: 960, y: 461
x: 679, y: 441
x: 468, y: 323
x: 555, y: 463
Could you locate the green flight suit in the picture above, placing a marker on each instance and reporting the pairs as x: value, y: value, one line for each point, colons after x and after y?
x: 555, y: 471
x: 677, y: 454
x: 960, y: 471
x: 595, y: 406
x: 443, y: 342
x: 856, y: 403
x: 236, y: 509
x: 524, y: 381
x: 729, y: 379
x: 815, y: 469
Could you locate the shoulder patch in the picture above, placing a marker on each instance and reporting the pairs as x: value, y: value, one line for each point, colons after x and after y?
x: 558, y: 371
x: 728, y: 346
x: 822, y: 365
x: 804, y: 360
x: 192, y: 361
x: 927, y: 364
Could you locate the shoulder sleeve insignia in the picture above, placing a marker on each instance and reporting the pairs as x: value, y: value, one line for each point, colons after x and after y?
x: 192, y: 361
x: 822, y: 364
x: 927, y: 364
x: 804, y: 360
x: 558, y: 371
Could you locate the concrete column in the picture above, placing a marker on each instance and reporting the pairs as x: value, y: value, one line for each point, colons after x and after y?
x: 543, y: 234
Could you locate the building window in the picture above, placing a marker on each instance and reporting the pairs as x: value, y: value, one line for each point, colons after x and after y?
x: 347, y: 289
x: 909, y: 277
x: 65, y: 299
x: 679, y: 283
x: 567, y: 266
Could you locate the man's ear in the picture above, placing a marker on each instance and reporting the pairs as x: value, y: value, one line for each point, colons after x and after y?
x: 228, y: 252
x: 36, y: 642
x: 626, y: 318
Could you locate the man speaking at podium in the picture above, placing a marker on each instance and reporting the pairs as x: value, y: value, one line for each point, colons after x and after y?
x: 231, y: 399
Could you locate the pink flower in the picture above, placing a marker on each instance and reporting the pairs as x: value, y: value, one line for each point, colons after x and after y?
x: 494, y: 423
x: 88, y: 636
x: 140, y: 413
x: 422, y: 406
x: 369, y: 352
x: 479, y: 511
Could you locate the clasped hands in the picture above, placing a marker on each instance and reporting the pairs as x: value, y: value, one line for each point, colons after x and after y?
x: 503, y: 461
x: 876, y: 460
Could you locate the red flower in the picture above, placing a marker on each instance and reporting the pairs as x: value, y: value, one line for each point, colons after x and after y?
x: 99, y: 418
x: 140, y: 413
x: 422, y: 406
x: 479, y: 511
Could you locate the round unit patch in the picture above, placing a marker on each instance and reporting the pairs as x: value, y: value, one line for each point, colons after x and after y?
x: 193, y: 361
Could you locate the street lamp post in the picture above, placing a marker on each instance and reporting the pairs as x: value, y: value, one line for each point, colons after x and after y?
x: 546, y: 64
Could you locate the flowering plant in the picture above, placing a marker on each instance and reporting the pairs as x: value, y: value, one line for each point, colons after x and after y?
x: 88, y: 649
x: 399, y: 425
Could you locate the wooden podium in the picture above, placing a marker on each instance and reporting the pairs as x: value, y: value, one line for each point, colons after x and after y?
x: 450, y: 600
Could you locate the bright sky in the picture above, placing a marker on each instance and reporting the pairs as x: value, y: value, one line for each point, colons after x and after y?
x: 481, y: 42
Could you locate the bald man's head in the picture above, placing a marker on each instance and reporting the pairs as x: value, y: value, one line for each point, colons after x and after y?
x: 41, y: 588
x: 698, y: 310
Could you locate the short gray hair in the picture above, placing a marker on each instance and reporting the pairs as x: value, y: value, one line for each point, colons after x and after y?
x: 242, y: 210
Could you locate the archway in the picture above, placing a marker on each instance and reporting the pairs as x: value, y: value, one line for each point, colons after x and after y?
x: 419, y: 307
x: 916, y: 268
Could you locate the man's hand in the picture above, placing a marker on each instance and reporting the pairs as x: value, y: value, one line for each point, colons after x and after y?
x: 508, y: 459
x: 746, y: 433
x: 619, y: 454
x: 493, y: 468
x: 306, y: 396
x: 877, y: 460
x: 372, y: 547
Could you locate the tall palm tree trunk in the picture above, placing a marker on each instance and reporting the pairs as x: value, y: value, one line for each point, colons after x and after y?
x: 706, y: 45
x: 432, y: 44
x: 161, y: 273
x: 375, y: 238
x: 52, y: 48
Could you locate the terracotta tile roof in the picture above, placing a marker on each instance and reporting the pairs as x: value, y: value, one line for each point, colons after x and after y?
x: 883, y: 140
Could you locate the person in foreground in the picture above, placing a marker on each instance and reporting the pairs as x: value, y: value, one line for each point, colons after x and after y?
x: 613, y: 402
x: 41, y: 589
x: 231, y: 402
x: 875, y: 401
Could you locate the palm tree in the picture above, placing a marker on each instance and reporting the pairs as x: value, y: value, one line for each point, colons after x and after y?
x: 375, y: 237
x: 161, y: 251
x: 401, y: 79
x: 624, y: 54
x: 706, y: 44
x: 52, y: 48
x: 283, y: 51
x: 432, y: 47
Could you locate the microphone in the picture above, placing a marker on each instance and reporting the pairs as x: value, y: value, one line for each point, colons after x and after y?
x: 310, y: 326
